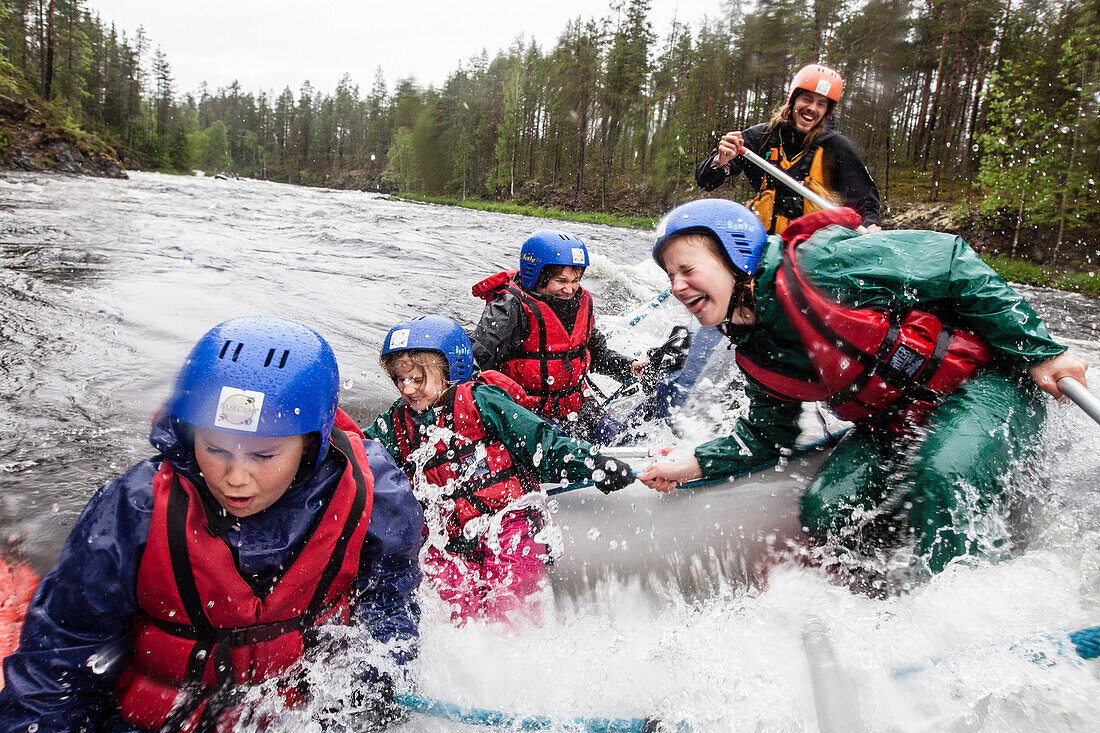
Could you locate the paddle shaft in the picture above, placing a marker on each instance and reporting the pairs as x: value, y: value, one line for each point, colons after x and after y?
x: 642, y: 312
x: 782, y: 176
x: 1084, y: 399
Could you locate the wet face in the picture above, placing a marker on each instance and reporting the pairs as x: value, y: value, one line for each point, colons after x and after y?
x: 700, y: 279
x: 564, y: 285
x: 247, y: 473
x: 420, y: 386
x: 808, y: 110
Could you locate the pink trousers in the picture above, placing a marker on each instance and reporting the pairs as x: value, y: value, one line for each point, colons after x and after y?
x: 503, y: 586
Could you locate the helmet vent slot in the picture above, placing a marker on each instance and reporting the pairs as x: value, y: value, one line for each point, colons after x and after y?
x: 236, y: 351
x: 282, y: 360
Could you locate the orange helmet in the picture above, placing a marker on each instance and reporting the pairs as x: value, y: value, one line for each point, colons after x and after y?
x: 820, y: 79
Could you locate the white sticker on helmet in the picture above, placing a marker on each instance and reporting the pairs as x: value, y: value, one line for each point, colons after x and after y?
x: 578, y: 256
x: 823, y: 87
x: 399, y: 339
x: 239, y: 409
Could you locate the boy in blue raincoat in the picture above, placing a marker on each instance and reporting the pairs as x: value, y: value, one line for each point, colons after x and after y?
x: 212, y: 566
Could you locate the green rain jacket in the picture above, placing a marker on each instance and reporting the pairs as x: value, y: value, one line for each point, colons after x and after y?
x: 891, y: 269
x: 532, y: 441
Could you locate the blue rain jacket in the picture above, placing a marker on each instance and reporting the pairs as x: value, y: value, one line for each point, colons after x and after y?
x: 74, y: 638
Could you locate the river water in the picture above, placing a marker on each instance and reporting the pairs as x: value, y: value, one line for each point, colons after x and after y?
x: 105, y: 285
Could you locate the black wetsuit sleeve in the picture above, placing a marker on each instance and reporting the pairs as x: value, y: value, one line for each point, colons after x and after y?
x: 709, y: 178
x: 606, y: 361
x: 500, y: 333
x: 853, y: 182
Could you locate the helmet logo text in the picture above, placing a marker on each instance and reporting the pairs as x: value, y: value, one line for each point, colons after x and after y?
x: 239, y: 409
x: 399, y: 339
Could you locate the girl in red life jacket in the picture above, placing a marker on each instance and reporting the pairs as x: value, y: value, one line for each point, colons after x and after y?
x: 537, y: 329
x: 894, y: 331
x: 215, y: 565
x: 476, y: 458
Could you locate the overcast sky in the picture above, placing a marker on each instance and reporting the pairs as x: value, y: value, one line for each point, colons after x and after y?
x: 271, y: 44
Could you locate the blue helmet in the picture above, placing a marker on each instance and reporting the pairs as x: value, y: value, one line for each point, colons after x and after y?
x: 738, y: 230
x: 260, y: 375
x: 434, y: 333
x: 549, y: 247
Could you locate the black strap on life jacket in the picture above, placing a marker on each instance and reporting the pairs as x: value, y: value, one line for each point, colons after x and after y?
x: 213, y: 642
x: 751, y: 352
x: 544, y: 355
x: 468, y: 489
x: 451, y: 453
x: 787, y: 202
x: 905, y: 370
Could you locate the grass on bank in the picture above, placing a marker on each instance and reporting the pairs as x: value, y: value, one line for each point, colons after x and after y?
x: 1013, y: 270
x: 1018, y: 271
x: 501, y: 207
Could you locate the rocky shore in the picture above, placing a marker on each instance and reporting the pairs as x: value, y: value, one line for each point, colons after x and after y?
x: 31, y: 142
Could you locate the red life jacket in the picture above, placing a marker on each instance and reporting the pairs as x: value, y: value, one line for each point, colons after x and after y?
x: 871, y: 364
x: 496, y: 480
x: 553, y: 363
x: 201, y: 628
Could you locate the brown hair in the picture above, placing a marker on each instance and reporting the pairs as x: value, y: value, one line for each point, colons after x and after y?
x: 549, y: 272
x: 785, y: 113
x: 424, y: 358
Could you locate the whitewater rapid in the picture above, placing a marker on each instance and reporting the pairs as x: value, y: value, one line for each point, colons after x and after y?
x: 106, y: 284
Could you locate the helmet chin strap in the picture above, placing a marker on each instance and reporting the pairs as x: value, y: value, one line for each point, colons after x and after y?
x: 731, y: 307
x: 731, y: 330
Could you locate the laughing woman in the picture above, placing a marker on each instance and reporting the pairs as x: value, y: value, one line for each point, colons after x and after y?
x: 943, y: 409
x: 798, y: 140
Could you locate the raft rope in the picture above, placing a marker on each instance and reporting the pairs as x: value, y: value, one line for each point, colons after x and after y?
x: 1086, y: 645
x: 643, y: 311
x: 1086, y: 642
x: 498, y: 719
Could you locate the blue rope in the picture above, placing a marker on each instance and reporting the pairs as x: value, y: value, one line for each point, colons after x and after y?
x: 1086, y: 644
x: 661, y: 298
x: 498, y: 719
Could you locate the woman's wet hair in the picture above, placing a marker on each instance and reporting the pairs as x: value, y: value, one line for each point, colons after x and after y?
x: 549, y: 272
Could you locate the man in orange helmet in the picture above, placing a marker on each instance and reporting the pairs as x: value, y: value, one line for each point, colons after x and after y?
x: 798, y: 139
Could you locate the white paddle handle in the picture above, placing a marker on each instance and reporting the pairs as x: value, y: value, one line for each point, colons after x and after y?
x: 1084, y: 399
x: 806, y: 193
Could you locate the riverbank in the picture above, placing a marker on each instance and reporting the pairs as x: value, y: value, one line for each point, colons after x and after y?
x: 40, y: 138
x: 543, y: 212
x: 989, y: 244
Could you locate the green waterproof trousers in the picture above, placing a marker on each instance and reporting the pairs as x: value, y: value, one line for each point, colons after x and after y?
x: 940, y: 482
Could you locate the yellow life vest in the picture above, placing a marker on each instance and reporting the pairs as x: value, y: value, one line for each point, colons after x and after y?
x: 812, y: 174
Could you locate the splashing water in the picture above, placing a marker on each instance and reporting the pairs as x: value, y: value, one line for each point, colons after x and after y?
x: 107, y: 284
